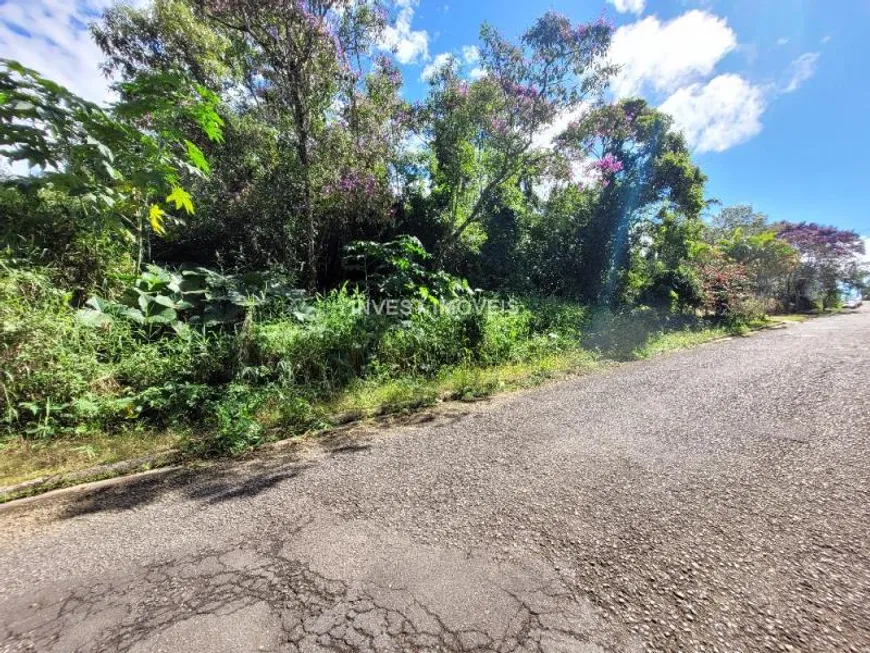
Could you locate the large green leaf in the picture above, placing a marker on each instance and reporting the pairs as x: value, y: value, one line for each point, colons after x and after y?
x: 93, y: 318
x: 182, y: 199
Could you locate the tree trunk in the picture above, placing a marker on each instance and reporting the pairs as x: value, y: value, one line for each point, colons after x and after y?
x: 308, y: 209
x: 312, y: 235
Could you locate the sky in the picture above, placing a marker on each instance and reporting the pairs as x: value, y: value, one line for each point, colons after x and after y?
x: 772, y: 94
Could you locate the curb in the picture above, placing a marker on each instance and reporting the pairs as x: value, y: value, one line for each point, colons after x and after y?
x: 97, y: 473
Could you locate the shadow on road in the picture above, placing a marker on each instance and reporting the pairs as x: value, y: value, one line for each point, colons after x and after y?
x: 227, y: 480
x: 209, y: 486
x: 224, y: 481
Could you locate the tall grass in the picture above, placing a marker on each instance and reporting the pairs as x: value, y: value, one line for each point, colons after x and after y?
x: 288, y: 372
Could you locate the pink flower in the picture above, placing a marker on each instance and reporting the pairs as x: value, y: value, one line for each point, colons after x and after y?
x: 498, y: 125
x: 608, y: 164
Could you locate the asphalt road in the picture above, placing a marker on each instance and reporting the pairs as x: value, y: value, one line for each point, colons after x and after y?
x: 716, y: 499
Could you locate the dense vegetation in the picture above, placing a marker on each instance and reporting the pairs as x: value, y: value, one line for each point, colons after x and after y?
x: 261, y: 222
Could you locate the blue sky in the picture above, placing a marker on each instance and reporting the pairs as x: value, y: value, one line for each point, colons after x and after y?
x: 772, y: 94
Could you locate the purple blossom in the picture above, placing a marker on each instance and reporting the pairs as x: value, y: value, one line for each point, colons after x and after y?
x: 498, y: 125
x: 352, y: 182
x: 608, y: 165
x: 809, y: 237
x: 604, y: 21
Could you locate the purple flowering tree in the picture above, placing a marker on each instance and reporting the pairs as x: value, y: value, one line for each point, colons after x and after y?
x: 829, y: 257
x: 487, y: 132
x: 362, y: 141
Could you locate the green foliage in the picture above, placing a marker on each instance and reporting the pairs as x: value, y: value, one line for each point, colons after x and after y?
x: 322, y: 353
x: 118, y: 163
x: 397, y: 269
x: 160, y: 298
x: 236, y: 423
x: 165, y: 35
x: 673, y: 289
x: 48, y: 361
x: 150, y: 269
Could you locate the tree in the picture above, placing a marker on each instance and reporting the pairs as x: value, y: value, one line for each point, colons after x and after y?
x: 553, y: 247
x: 302, y: 52
x: 741, y: 217
x: 827, y: 255
x: 643, y: 171
x: 168, y: 36
x: 768, y: 260
x: 486, y: 133
x: 725, y: 286
x: 127, y: 164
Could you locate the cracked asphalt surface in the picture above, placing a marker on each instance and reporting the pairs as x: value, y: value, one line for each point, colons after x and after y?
x: 716, y: 499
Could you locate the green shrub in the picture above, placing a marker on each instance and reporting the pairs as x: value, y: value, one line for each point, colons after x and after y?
x: 196, y: 358
x: 323, y: 352
x: 566, y: 318
x: 505, y: 334
x: 47, y: 358
x: 235, y: 417
x: 427, y: 341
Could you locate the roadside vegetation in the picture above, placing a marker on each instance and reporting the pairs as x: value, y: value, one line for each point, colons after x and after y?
x: 261, y: 237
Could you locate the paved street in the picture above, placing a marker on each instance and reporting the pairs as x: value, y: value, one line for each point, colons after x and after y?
x: 716, y: 499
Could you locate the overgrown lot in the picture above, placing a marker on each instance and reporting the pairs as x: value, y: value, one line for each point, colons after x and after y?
x: 76, y: 394
x: 264, y: 233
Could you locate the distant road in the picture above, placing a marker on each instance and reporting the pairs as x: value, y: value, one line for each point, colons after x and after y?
x: 716, y: 499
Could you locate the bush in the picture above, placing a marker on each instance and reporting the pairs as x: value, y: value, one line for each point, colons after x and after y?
x: 48, y: 359
x: 427, y: 341
x: 324, y: 351
x: 237, y: 428
x: 60, y: 374
x: 196, y: 358
x: 505, y: 335
x: 726, y: 291
x: 561, y: 317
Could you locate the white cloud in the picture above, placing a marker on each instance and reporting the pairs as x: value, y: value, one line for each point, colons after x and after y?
x: 782, y: 41
x: 800, y: 70
x: 437, y: 64
x: 410, y: 46
x: 623, y: 6
x: 664, y: 56
x: 470, y: 54
x: 718, y: 115
x: 51, y: 36
x: 545, y: 137
x: 866, y: 257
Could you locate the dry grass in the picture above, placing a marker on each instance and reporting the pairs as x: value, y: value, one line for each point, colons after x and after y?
x: 23, y: 460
